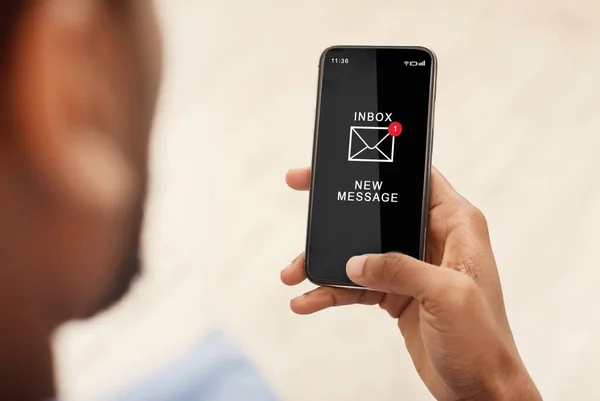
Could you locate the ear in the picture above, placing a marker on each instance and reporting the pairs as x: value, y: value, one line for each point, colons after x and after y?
x: 61, y: 94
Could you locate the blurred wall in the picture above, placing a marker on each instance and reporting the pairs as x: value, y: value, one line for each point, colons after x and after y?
x: 517, y: 132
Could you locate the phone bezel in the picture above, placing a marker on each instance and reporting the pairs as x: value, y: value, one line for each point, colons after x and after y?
x: 428, y: 159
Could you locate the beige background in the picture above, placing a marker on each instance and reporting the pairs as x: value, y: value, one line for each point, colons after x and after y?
x: 518, y: 132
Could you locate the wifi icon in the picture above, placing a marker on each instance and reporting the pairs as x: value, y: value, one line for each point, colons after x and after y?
x: 406, y: 63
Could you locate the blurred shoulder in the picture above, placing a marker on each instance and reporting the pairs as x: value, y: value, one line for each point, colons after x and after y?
x: 215, y: 370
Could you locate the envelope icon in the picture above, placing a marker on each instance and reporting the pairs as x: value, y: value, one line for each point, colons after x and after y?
x: 371, y: 144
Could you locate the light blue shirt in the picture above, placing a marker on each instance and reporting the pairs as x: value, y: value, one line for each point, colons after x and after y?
x: 217, y: 370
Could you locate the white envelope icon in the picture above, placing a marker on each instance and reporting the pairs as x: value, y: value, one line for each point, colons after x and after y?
x: 371, y: 144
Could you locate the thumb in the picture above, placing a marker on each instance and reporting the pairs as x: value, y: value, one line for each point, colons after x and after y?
x: 394, y: 273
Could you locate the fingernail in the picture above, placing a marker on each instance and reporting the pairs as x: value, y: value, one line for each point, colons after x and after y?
x: 355, y: 266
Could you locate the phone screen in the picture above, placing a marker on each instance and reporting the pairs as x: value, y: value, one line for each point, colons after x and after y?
x: 371, y: 157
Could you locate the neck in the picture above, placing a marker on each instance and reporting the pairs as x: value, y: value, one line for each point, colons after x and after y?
x: 25, y: 353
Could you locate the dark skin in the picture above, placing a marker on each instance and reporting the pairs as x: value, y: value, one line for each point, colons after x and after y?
x: 450, y: 309
x: 82, y: 80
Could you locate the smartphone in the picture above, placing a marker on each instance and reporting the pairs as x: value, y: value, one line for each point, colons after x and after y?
x: 371, y: 161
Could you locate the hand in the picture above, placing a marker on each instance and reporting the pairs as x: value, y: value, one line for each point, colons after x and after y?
x: 450, y: 310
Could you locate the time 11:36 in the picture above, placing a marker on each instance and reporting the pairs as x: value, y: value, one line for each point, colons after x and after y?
x: 338, y: 60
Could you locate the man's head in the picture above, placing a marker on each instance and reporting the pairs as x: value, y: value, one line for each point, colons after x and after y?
x: 79, y: 80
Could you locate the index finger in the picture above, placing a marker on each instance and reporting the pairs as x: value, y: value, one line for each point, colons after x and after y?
x: 298, y: 179
x: 294, y: 273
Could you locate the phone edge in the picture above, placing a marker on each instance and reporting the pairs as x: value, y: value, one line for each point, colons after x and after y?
x: 428, y: 161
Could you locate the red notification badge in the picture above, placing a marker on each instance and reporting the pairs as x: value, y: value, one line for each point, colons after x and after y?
x: 395, y: 129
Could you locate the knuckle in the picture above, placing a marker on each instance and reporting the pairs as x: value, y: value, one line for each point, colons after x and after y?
x: 476, y: 216
x: 362, y: 297
x: 390, y: 267
x: 332, y: 300
x: 329, y: 300
x: 466, y: 266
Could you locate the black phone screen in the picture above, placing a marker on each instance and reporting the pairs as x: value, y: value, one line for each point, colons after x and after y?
x: 371, y: 157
